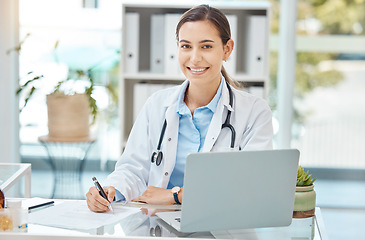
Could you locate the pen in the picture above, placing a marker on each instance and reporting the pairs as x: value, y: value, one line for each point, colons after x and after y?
x: 40, y: 205
x: 101, y: 191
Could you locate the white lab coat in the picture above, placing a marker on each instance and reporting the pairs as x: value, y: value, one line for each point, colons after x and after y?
x: 251, y: 118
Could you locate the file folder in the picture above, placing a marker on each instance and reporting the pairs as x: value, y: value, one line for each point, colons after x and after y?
x: 140, y: 96
x: 256, y: 45
x: 131, y: 50
x: 257, y: 91
x: 142, y: 91
x: 171, y: 62
x: 157, y: 62
x: 231, y: 63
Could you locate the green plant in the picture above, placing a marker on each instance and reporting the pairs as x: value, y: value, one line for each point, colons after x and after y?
x: 304, y: 178
x: 68, y: 86
x: 31, y: 87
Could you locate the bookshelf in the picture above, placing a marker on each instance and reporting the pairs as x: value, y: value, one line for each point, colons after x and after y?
x: 249, y: 63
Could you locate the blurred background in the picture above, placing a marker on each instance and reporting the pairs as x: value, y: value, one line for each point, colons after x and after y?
x: 61, y: 36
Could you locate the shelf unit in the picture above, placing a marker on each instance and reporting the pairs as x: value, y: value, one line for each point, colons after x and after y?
x: 142, y: 73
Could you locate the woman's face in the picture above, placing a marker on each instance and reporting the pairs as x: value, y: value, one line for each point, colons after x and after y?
x: 201, y: 52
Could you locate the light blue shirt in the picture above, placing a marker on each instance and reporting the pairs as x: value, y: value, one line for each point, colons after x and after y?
x: 191, y: 137
x: 192, y: 132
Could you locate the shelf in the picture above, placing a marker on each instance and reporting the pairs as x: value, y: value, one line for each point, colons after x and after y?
x: 162, y: 77
x: 149, y: 49
x: 153, y: 77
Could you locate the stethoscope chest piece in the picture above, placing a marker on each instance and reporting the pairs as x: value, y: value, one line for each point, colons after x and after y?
x: 157, y: 157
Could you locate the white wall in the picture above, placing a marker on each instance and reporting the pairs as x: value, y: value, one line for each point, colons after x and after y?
x: 9, y: 120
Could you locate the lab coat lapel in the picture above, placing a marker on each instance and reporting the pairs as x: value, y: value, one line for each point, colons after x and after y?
x: 170, y: 139
x: 172, y: 132
x: 218, y: 119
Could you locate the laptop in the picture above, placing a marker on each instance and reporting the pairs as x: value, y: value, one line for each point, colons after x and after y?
x: 236, y: 190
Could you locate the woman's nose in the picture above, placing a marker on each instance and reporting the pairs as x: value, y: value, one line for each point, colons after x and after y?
x: 196, y: 56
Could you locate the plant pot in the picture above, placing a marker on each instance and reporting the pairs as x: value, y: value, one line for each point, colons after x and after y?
x: 305, y: 202
x: 68, y: 117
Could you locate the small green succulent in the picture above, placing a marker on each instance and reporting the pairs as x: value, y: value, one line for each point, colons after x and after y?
x: 304, y: 178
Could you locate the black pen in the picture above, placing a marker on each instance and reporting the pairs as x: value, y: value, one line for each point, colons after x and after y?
x: 40, y: 205
x: 102, y: 193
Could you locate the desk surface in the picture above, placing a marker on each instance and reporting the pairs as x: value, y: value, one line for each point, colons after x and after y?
x: 144, y: 226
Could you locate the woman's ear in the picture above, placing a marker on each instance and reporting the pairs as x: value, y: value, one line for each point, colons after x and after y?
x: 228, y: 48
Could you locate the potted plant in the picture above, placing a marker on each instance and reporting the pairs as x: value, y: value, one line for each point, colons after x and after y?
x: 70, y: 104
x: 68, y: 110
x: 305, y: 196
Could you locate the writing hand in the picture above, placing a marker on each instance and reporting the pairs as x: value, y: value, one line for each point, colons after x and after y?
x: 96, y: 202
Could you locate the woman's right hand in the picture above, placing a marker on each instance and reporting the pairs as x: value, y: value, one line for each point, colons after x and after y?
x: 96, y: 202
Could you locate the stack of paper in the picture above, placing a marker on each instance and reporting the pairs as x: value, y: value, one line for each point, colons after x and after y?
x: 76, y: 215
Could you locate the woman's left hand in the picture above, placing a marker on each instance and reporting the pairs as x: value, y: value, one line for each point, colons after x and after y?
x: 156, y: 195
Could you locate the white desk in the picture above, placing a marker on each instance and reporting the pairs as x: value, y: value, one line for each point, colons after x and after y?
x: 11, y: 173
x: 142, y: 226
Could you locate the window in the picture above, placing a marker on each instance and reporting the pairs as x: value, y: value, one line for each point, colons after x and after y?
x: 328, y: 108
x: 72, y: 38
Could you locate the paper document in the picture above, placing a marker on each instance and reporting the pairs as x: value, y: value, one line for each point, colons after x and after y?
x: 76, y: 215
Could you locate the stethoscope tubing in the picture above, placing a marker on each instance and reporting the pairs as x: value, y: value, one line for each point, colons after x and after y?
x: 227, y: 122
x: 158, y: 155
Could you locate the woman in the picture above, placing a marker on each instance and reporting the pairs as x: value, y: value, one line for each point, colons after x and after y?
x: 194, y: 113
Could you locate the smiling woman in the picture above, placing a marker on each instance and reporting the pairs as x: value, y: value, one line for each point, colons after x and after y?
x: 201, y: 52
x: 192, y: 117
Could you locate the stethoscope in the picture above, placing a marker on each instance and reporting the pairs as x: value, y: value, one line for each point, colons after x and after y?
x: 157, y: 156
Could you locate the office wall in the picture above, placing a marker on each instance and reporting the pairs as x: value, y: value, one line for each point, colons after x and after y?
x: 9, y: 137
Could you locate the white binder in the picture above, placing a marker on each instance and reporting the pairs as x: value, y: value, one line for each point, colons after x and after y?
x: 257, y: 91
x: 171, y: 62
x: 131, y: 50
x: 256, y: 44
x: 142, y: 91
x: 230, y: 64
x: 140, y: 96
x: 157, y: 62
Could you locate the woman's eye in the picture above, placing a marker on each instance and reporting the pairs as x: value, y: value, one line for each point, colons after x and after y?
x: 185, y: 46
x: 207, y: 46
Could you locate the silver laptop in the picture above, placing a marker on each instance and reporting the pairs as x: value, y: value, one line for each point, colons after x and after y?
x: 236, y: 190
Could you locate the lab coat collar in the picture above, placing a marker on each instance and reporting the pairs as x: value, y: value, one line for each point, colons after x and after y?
x: 224, y: 97
x: 175, y: 95
x: 218, y: 119
x: 172, y: 118
x: 182, y: 108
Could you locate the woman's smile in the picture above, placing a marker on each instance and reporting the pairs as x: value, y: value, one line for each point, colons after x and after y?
x: 198, y: 70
